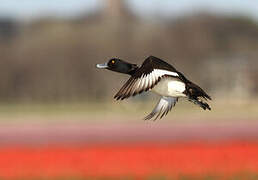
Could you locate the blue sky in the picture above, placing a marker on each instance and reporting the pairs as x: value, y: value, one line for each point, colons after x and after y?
x: 24, y: 9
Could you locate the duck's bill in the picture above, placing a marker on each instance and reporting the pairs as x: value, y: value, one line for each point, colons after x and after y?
x: 102, y: 66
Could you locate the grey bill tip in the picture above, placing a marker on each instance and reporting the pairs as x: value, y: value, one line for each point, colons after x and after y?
x: 102, y: 66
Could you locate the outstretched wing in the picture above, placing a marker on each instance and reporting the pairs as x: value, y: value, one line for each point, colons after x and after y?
x: 146, y: 77
x: 164, y: 105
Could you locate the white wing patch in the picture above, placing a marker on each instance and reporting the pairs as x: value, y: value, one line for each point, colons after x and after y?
x: 137, y: 85
x: 164, y: 105
x: 161, y: 72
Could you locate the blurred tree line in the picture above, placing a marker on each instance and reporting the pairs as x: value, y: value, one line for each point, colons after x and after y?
x: 53, y: 59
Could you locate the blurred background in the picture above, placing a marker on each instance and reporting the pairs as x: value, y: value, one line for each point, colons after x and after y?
x: 56, y: 105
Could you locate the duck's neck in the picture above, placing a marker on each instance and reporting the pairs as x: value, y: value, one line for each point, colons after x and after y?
x: 133, y: 69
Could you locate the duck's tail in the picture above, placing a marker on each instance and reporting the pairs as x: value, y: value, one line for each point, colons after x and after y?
x: 196, y: 94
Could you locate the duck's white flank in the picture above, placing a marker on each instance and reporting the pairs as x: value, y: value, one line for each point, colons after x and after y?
x: 170, y: 87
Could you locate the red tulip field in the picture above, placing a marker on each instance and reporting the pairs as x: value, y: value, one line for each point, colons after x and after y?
x: 83, y: 152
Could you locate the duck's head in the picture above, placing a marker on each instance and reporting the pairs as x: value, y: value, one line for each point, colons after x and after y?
x: 118, y: 65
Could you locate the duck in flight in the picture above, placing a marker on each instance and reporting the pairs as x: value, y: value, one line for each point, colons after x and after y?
x: 159, y: 77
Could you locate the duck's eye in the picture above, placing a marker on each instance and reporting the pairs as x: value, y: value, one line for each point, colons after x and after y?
x: 113, y: 61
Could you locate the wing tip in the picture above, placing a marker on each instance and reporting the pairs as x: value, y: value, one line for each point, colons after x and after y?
x: 162, y: 108
x: 120, y: 97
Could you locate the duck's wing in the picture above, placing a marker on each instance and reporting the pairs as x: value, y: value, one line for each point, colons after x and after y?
x: 164, y: 105
x: 146, y: 77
